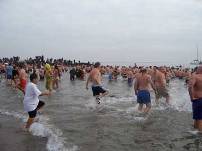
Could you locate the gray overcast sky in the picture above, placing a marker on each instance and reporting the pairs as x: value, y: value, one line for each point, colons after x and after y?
x: 104, y: 30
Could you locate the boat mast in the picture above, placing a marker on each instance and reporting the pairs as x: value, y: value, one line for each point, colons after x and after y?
x: 197, y: 53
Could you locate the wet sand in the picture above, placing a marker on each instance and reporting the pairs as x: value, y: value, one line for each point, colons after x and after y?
x: 14, y: 139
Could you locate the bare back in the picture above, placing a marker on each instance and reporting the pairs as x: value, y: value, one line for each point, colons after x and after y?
x: 159, y: 79
x: 95, y: 77
x: 197, y: 86
x: 143, y: 81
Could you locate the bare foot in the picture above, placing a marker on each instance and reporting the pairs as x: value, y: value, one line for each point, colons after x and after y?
x: 36, y: 119
x: 25, y: 129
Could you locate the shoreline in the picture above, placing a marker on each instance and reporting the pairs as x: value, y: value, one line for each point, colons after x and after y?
x: 14, y: 138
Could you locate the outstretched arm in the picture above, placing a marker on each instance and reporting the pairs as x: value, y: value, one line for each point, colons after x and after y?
x: 152, y: 84
x: 87, y: 82
x: 45, y: 93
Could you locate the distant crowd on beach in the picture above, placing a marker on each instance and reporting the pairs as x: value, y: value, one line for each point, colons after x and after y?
x: 16, y: 71
x: 80, y: 69
x: 25, y: 74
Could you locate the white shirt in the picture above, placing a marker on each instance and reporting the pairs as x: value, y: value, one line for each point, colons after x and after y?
x: 31, y: 99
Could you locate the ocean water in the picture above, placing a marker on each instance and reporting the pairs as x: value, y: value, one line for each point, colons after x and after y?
x: 71, y: 120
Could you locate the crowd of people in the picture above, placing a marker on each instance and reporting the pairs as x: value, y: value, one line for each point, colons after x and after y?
x: 24, y: 75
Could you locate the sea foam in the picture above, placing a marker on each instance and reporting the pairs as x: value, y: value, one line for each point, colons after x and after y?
x: 43, y: 129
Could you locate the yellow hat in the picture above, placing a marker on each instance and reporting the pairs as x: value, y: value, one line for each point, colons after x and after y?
x: 48, y: 67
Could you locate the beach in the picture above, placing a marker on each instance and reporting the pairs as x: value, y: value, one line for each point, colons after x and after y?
x: 108, y: 75
x: 71, y: 120
x: 13, y: 138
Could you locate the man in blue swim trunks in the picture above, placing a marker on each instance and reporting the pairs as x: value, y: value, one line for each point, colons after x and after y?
x: 195, y: 91
x: 141, y: 86
x: 95, y: 78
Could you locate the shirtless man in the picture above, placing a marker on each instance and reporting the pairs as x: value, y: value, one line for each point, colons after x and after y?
x: 187, y: 75
x: 95, y: 78
x: 195, y: 91
x: 159, y: 81
x: 141, y: 87
x: 23, y: 78
x: 56, y: 77
x: 15, y: 76
x: 130, y: 77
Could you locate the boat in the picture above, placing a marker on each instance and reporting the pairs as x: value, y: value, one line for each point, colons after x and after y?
x: 196, y: 62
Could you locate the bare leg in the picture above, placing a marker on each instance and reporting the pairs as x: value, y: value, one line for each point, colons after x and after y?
x: 57, y: 84
x: 148, y: 107
x: 195, y: 124
x: 100, y: 96
x: 29, y: 123
x: 200, y: 125
x: 104, y: 94
x: 53, y: 84
x: 168, y: 99
x: 157, y: 99
x: 140, y: 107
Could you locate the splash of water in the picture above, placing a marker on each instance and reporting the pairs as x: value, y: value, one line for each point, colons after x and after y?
x: 43, y: 129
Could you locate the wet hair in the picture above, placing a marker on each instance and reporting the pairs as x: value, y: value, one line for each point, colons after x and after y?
x: 56, y: 67
x: 195, y: 69
x: 97, y: 64
x: 21, y: 64
x: 143, y: 70
x: 33, y: 76
x: 156, y: 67
x: 199, y: 69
